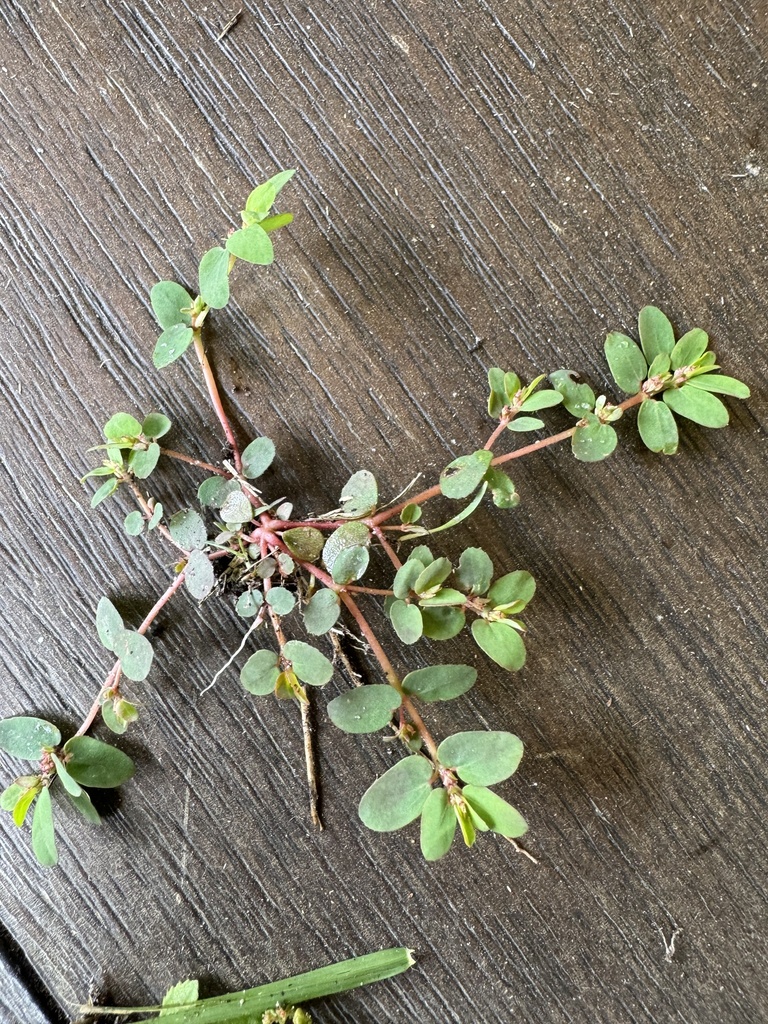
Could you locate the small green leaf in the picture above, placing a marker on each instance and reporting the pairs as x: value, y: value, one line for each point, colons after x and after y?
x: 407, y: 621
x: 721, y: 385
x: 501, y: 643
x: 25, y: 800
x: 475, y: 571
x: 421, y: 553
x: 440, y: 682
x: 442, y: 623
x: 252, y: 244
x: 280, y: 220
x: 444, y: 596
x: 26, y: 737
x: 309, y: 664
x: 700, y: 406
x: 481, y: 758
x: 657, y: 427
x: 10, y: 796
x: 85, y: 807
x: 360, y: 495
x: 43, y: 838
x: 260, y: 672
x: 321, y: 612
x: 430, y: 578
x: 350, y: 565
x: 498, y: 815
x: 213, y: 492
x: 188, y: 529
x: 594, y: 441
x: 135, y: 654
x: 513, y: 387
x: 656, y: 333
x: 304, y: 542
x: 248, y: 603
x: 157, y: 515
x: 398, y: 796
x: 112, y: 722
x: 66, y: 779
x: 660, y: 365
x: 168, y: 299
x: 120, y: 426
x: 198, y: 575
x: 214, y: 277
x: 465, y: 474
x: 263, y: 196
x: 281, y: 600
x: 406, y: 576
x: 105, y: 491
x: 143, y: 461
x: 133, y: 524
x: 364, y: 709
x: 502, y: 488
x: 171, y: 344
x: 438, y: 825
x: 98, y: 765
x: 258, y: 457
x: 541, y: 400
x: 498, y: 396
x: 515, y: 586
x: 410, y: 514
x: 109, y: 623
x: 689, y: 348
x: 350, y: 535
x: 578, y: 399
x: 236, y: 508
x: 626, y: 362
x: 182, y: 994
x: 522, y: 424
x: 155, y: 425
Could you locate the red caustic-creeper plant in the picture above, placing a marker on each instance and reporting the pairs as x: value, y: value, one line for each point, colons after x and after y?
x: 291, y: 572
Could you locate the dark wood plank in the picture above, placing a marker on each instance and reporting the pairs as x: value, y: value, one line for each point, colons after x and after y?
x: 478, y: 184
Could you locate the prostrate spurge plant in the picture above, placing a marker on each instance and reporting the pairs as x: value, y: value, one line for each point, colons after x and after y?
x: 282, y: 568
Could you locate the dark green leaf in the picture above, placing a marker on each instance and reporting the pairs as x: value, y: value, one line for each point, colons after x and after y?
x: 442, y: 623
x: 398, y: 796
x: 364, y: 709
x: 98, y: 765
x: 475, y: 571
x: 502, y: 489
x: 656, y: 334
x: 359, y: 496
x: 657, y: 427
x: 143, y: 461
x: 155, y: 425
x: 522, y: 424
x: 481, y: 758
x: 133, y: 524
x: 498, y: 396
x: 578, y: 399
x: 439, y: 682
x: 498, y: 815
x: 697, y: 405
x: 321, y: 612
x: 260, y: 672
x: 104, y: 492
x: 304, y: 542
x: 85, y: 807
x: 438, y: 825
x: 514, y: 587
x: 350, y: 535
x: 236, y: 508
x: 252, y: 244
x: 689, y: 348
x: 109, y: 623
x: 721, y: 385
x: 198, y: 575
x: 258, y: 457
x: 213, y: 492
x: 214, y: 277
x: 406, y: 577
x: 281, y: 600
x: 171, y: 344
x: 168, y: 299
x: 465, y: 474
x: 249, y: 603
x: 593, y: 442
x: 407, y: 621
x: 188, y: 529
x: 26, y: 737
x: 626, y: 362
x: 120, y: 426
x: 43, y: 838
x: 541, y: 400
x: 502, y: 643
x: 67, y: 781
x: 350, y: 565
x: 135, y: 654
x: 309, y: 664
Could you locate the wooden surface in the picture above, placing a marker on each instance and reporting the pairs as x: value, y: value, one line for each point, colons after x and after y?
x: 478, y: 183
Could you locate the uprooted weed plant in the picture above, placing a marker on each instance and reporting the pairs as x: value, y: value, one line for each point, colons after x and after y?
x: 282, y: 567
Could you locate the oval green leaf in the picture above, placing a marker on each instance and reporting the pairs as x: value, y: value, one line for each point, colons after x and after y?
x: 213, y: 492
x: 188, y: 529
x: 497, y: 814
x: 464, y: 475
x: 98, y: 765
x: 121, y: 426
x: 258, y: 457
x: 249, y: 603
x: 593, y: 442
x: 109, y: 623
x: 214, y: 277
x: 236, y: 508
x: 440, y: 682
x: 697, y: 405
x: 364, y: 709
x: 360, y: 494
x: 657, y: 427
x: 168, y: 299
x: 43, y: 838
x: 67, y: 781
x: 155, y: 425
x: 442, y: 623
x: 482, y: 758
x: 253, y: 245
x: 515, y: 586
x: 502, y: 488
x: 304, y: 542
x: 656, y: 333
x: 133, y: 524
x: 407, y: 621
x: 350, y: 535
x: 321, y: 612
x: 689, y: 348
x: 720, y: 384
x: 171, y: 344
x: 578, y: 399
x: 26, y: 737
x: 438, y: 825
x: 260, y: 672
x: 350, y: 565
x: 198, y: 575
x: 142, y: 461
x: 397, y: 798
x: 502, y: 643
x: 85, y: 807
x: 135, y: 654
x: 281, y: 600
x: 309, y: 664
x: 522, y: 424
x: 626, y: 362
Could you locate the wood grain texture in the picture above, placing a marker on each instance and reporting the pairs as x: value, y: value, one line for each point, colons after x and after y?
x: 479, y: 183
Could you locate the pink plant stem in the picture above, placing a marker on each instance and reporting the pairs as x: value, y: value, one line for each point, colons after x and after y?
x: 387, y: 547
x: 503, y: 424
x: 213, y: 393
x: 194, y: 462
x: 114, y: 674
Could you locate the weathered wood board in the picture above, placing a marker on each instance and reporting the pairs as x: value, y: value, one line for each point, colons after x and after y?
x: 478, y: 184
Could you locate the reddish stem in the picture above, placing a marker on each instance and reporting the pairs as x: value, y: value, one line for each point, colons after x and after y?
x: 194, y: 462
x: 387, y: 547
x: 213, y: 393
